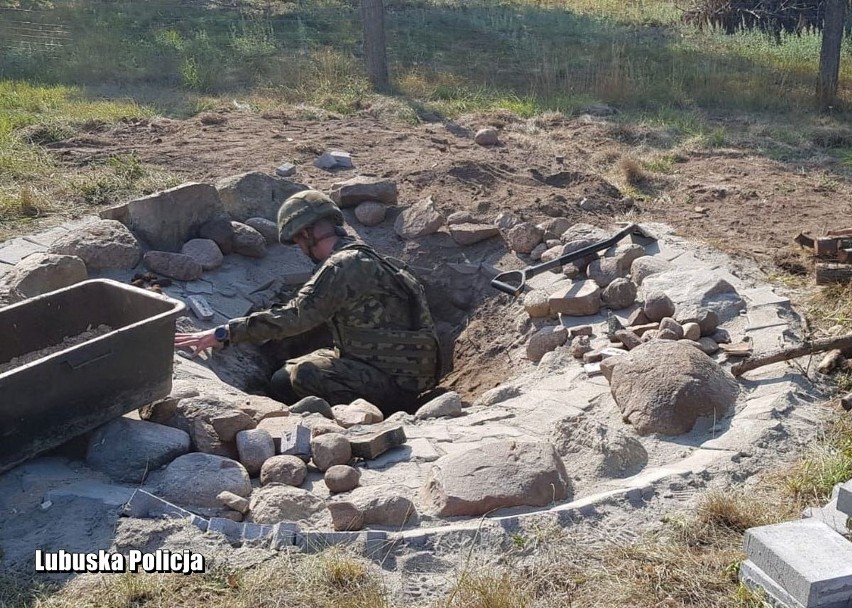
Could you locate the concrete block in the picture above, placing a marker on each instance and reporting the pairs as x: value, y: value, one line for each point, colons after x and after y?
x: 318, y: 541
x: 231, y: 530
x: 805, y: 558
x: 297, y: 443
x: 844, y: 498
x: 284, y: 535
x: 757, y: 580
x: 830, y: 515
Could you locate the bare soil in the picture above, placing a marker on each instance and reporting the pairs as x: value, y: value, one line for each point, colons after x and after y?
x: 734, y: 199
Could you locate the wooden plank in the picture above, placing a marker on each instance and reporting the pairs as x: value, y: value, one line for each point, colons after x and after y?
x: 840, y: 232
x: 826, y: 273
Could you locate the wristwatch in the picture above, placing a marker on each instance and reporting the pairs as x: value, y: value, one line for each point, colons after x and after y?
x: 222, y: 334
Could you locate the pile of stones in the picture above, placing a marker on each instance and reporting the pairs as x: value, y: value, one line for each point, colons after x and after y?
x: 181, y: 233
x: 247, y: 457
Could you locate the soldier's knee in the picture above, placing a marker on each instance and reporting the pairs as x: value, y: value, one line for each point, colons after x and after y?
x: 303, y: 376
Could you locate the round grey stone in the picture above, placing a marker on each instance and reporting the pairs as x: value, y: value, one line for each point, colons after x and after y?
x: 289, y: 470
x: 342, y: 478
x: 657, y: 306
x: 330, y: 449
x: 204, y: 251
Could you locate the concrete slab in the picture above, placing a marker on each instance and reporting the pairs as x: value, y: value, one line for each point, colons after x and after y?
x: 768, y: 339
x: 48, y: 237
x: 763, y: 317
x: 15, y: 250
x: 763, y: 296
x: 230, y: 307
x: 146, y: 505
x: 110, y: 495
x: 806, y: 558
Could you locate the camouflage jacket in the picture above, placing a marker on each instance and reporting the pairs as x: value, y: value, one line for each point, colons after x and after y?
x: 373, y: 315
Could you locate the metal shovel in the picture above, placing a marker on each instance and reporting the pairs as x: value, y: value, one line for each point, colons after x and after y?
x: 513, y: 281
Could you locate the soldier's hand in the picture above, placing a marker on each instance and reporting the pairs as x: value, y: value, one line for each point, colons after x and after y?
x: 197, y: 342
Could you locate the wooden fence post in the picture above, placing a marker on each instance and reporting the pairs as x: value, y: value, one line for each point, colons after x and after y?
x: 375, y: 54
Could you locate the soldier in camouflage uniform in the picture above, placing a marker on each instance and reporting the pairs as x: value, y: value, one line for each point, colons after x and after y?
x: 386, y: 350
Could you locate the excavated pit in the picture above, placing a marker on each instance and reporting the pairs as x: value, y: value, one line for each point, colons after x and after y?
x: 484, y: 338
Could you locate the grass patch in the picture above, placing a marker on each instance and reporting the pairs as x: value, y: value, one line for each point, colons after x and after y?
x: 825, y: 465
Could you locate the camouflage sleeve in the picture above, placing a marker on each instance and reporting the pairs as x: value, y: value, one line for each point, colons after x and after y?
x: 316, y: 303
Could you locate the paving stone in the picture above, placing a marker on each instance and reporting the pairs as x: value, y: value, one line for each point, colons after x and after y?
x: 770, y: 338
x: 285, y: 535
x: 762, y: 317
x: 374, y: 443
x: 15, y: 250
x: 806, y: 558
x: 108, y: 494
x: 143, y: 504
x: 762, y: 296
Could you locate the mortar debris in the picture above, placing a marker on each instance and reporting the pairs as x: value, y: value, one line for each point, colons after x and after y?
x: 68, y: 342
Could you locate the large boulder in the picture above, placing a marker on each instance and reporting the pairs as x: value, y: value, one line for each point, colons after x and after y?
x: 204, y: 251
x: 196, y: 480
x: 41, y: 273
x: 421, y: 219
x: 643, y: 267
x: 167, y: 219
x: 255, y: 194
x: 545, y: 340
x: 371, y: 213
x: 360, y: 189
x: 608, y: 451
x: 127, y: 449
x: 524, y: 237
x: 101, y: 245
x: 664, y: 386
x: 496, y: 475
x: 255, y: 447
x: 383, y: 505
x: 693, y: 291
x: 174, y: 265
x: 578, y: 299
x: 248, y: 241
x: 470, y: 234
x: 211, y: 421
x: 278, y: 502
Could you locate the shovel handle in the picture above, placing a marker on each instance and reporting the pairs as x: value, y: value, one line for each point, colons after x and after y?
x: 501, y: 282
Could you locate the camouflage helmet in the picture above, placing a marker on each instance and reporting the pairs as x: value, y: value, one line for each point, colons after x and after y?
x: 305, y: 209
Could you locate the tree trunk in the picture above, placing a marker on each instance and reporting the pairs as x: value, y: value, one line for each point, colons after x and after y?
x: 829, y: 58
x: 375, y: 55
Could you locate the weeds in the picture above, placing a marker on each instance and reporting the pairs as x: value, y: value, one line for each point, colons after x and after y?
x: 828, y: 463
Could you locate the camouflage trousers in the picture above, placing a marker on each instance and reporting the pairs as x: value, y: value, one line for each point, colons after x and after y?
x: 339, y: 380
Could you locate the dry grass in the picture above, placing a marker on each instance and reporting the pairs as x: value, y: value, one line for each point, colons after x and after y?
x: 827, y: 463
x: 632, y: 172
